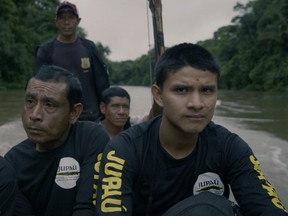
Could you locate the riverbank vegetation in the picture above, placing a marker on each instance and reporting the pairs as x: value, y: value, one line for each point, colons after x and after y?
x: 252, y: 50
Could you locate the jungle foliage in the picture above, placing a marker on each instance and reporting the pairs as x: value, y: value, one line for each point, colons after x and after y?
x: 252, y: 50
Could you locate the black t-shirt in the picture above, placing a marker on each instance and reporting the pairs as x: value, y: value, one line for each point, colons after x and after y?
x: 138, y: 176
x: 60, y: 182
x: 76, y: 58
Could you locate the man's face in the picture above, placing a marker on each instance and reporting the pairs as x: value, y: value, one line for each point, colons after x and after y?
x: 67, y: 23
x: 116, y: 111
x: 188, y: 99
x: 46, y: 113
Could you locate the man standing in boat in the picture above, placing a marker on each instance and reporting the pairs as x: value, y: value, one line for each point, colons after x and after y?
x: 78, y: 55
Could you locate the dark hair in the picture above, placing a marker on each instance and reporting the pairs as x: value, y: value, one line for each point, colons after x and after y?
x: 108, y: 93
x: 182, y: 55
x: 55, y: 74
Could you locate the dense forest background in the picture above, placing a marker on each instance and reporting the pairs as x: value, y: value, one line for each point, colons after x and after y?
x: 252, y: 50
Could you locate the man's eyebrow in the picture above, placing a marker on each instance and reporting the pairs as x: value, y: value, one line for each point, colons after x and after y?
x: 52, y: 99
x: 210, y: 85
x: 30, y: 94
x: 45, y: 98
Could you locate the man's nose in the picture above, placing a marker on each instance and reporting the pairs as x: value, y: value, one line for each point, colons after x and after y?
x: 195, y: 100
x: 36, y: 112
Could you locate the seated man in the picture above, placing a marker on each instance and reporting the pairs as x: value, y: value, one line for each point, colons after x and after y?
x: 152, y: 166
x: 8, y: 188
x: 57, y: 165
x: 115, y: 110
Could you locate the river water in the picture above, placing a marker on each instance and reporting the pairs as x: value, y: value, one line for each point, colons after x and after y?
x: 261, y: 119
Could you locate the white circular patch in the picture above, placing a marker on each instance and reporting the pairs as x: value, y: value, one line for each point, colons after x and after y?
x: 209, y: 182
x: 68, y: 173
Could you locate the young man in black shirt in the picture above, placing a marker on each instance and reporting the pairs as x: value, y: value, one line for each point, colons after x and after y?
x: 152, y: 166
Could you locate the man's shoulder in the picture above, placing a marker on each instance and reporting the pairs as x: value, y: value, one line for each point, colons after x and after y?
x: 45, y: 49
x: 20, y: 150
x: 87, y: 125
x: 5, y: 166
x: 86, y: 41
x: 216, y: 136
x: 48, y: 42
x: 142, y: 133
x: 217, y: 130
x: 219, y: 137
x: 25, y: 144
x: 90, y: 129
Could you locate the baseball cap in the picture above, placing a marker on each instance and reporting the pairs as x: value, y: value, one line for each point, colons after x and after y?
x: 66, y: 6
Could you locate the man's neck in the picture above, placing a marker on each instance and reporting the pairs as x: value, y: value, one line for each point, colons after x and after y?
x: 111, y: 129
x: 178, y: 145
x: 67, y: 39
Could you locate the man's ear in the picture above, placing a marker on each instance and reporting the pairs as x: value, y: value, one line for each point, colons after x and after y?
x: 157, y: 94
x: 56, y: 23
x: 75, y: 112
x: 102, y: 107
x: 79, y: 20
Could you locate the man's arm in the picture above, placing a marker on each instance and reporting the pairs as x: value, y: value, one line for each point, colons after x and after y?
x: 118, y: 172
x: 87, y: 182
x: 99, y: 68
x: 12, y: 195
x: 252, y: 190
x: 23, y: 207
x: 8, y: 188
x: 44, y: 53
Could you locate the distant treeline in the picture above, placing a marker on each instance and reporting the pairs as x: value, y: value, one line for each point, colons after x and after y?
x: 252, y: 50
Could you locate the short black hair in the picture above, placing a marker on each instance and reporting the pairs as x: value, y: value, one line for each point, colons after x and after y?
x: 56, y: 74
x: 114, y: 91
x: 182, y: 55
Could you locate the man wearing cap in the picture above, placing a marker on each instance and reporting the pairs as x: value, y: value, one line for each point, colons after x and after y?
x: 78, y: 55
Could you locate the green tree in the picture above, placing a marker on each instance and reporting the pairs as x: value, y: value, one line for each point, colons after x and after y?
x: 137, y: 72
x: 24, y: 25
x: 253, y: 50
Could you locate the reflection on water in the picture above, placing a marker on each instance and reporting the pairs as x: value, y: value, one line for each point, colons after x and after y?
x: 256, y: 110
